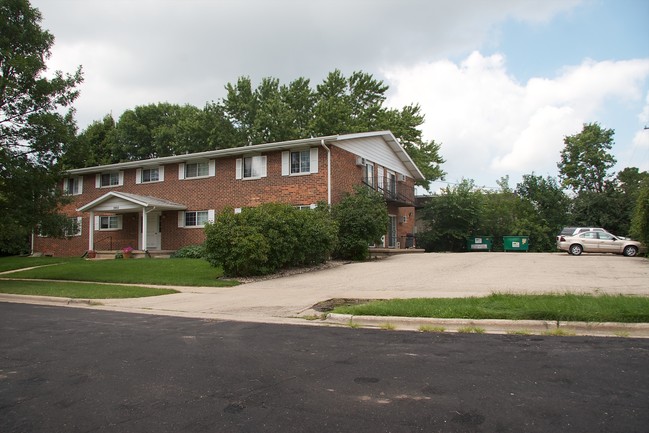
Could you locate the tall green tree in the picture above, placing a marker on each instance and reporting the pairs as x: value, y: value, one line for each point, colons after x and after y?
x: 585, y: 159
x: 640, y: 219
x: 34, y: 125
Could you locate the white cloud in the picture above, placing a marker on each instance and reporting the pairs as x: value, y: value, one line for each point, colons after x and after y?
x: 490, y: 125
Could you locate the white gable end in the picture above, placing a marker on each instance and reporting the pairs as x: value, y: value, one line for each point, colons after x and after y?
x: 375, y: 149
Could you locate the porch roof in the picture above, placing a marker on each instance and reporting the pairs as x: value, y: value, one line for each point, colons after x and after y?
x: 123, y: 202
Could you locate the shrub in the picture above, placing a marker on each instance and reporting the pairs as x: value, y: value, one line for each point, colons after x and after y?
x: 189, y: 252
x: 362, y: 218
x: 267, y: 238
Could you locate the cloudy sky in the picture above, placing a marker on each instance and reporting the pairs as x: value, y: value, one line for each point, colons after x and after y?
x: 501, y: 82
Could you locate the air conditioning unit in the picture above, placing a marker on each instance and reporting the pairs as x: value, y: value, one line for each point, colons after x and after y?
x: 360, y: 160
x: 401, y: 177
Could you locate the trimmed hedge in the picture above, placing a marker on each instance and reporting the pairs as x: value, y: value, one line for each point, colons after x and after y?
x: 265, y: 239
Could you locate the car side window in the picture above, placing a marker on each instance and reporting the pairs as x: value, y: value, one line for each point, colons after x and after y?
x: 605, y: 236
x: 589, y: 235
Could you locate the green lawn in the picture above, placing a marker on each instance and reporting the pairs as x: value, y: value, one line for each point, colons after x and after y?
x: 568, y: 307
x: 78, y: 290
x: 180, y: 272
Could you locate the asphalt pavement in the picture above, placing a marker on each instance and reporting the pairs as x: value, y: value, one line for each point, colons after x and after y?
x: 291, y: 299
x: 85, y: 370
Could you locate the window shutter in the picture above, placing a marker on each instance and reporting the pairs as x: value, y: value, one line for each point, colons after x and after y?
x: 181, y: 172
x: 80, y: 183
x: 138, y: 175
x: 97, y: 223
x: 121, y: 178
x: 314, y: 160
x: 239, y: 163
x: 79, y: 226
x: 211, y: 167
x: 263, y: 171
x: 119, y: 222
x: 98, y: 180
x: 286, y: 163
x: 161, y: 173
x: 181, y: 218
x: 210, y: 215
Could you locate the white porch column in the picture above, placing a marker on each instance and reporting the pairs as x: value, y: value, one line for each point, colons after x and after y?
x: 144, y: 229
x: 91, y: 232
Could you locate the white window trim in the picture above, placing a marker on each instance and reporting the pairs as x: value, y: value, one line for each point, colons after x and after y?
x: 211, y: 214
x: 98, y: 179
x: 98, y: 223
x: 211, y: 169
x: 286, y: 162
x: 161, y: 174
x: 263, y: 172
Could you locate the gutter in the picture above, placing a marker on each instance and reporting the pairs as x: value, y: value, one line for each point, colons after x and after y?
x: 322, y: 143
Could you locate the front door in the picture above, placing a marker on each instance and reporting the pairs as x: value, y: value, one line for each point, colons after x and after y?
x: 153, y: 235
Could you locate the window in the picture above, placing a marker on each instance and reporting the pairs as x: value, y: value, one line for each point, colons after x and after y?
x: 75, y: 230
x: 306, y: 207
x: 300, y: 162
x: 195, y: 218
x: 251, y: 167
x: 392, y: 184
x: 113, y: 178
x: 369, y: 174
x: 73, y: 185
x: 109, y: 222
x: 149, y: 174
x: 196, y: 169
x: 297, y: 162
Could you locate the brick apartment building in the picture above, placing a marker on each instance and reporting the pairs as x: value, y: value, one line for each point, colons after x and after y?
x: 162, y: 204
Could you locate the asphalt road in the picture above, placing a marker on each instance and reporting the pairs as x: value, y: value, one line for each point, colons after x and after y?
x: 80, y: 370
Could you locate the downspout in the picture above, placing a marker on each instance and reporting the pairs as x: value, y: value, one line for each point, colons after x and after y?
x: 322, y: 142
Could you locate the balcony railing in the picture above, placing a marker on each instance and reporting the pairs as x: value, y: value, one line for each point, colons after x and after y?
x: 392, y: 190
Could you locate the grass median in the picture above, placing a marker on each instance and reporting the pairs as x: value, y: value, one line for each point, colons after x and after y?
x: 551, y: 307
x: 78, y: 290
x: 170, y: 272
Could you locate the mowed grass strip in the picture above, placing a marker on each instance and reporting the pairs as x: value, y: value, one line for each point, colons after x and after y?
x: 171, y: 272
x: 78, y: 290
x: 553, y: 307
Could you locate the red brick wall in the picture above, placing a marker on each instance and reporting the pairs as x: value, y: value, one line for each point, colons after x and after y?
x: 217, y: 192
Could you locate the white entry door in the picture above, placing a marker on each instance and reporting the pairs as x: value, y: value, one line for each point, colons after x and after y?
x: 153, y: 235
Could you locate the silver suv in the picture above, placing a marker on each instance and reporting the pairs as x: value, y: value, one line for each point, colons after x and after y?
x: 574, y: 231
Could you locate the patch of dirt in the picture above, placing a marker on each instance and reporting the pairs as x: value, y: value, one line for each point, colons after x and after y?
x: 330, y: 304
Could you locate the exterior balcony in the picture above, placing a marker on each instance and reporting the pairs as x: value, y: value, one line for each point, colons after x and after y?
x: 393, y: 191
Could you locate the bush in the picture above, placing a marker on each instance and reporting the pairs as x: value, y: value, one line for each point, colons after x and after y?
x: 267, y: 238
x: 190, y: 252
x: 362, y: 218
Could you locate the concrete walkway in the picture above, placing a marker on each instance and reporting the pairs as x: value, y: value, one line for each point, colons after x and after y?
x: 289, y: 299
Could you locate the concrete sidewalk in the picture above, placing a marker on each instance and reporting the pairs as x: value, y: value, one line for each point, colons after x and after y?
x: 290, y: 299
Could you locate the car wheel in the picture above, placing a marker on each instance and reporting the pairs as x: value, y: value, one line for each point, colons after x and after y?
x: 575, y: 249
x: 630, y: 251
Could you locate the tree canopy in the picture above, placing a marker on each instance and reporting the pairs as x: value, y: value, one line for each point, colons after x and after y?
x: 247, y: 115
x: 33, y: 126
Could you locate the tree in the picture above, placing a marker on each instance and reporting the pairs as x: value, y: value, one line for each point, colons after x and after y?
x: 452, y: 216
x: 362, y: 220
x: 585, y: 160
x: 33, y: 126
x: 640, y: 220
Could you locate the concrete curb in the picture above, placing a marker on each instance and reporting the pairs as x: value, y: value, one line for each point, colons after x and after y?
x: 35, y: 299
x: 640, y: 330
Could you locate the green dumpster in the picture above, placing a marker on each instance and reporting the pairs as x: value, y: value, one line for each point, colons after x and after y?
x: 479, y: 243
x: 516, y: 243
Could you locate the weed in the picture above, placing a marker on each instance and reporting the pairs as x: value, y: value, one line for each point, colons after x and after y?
x: 430, y: 328
x: 520, y: 332
x: 471, y: 330
x: 387, y: 326
x: 560, y: 332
